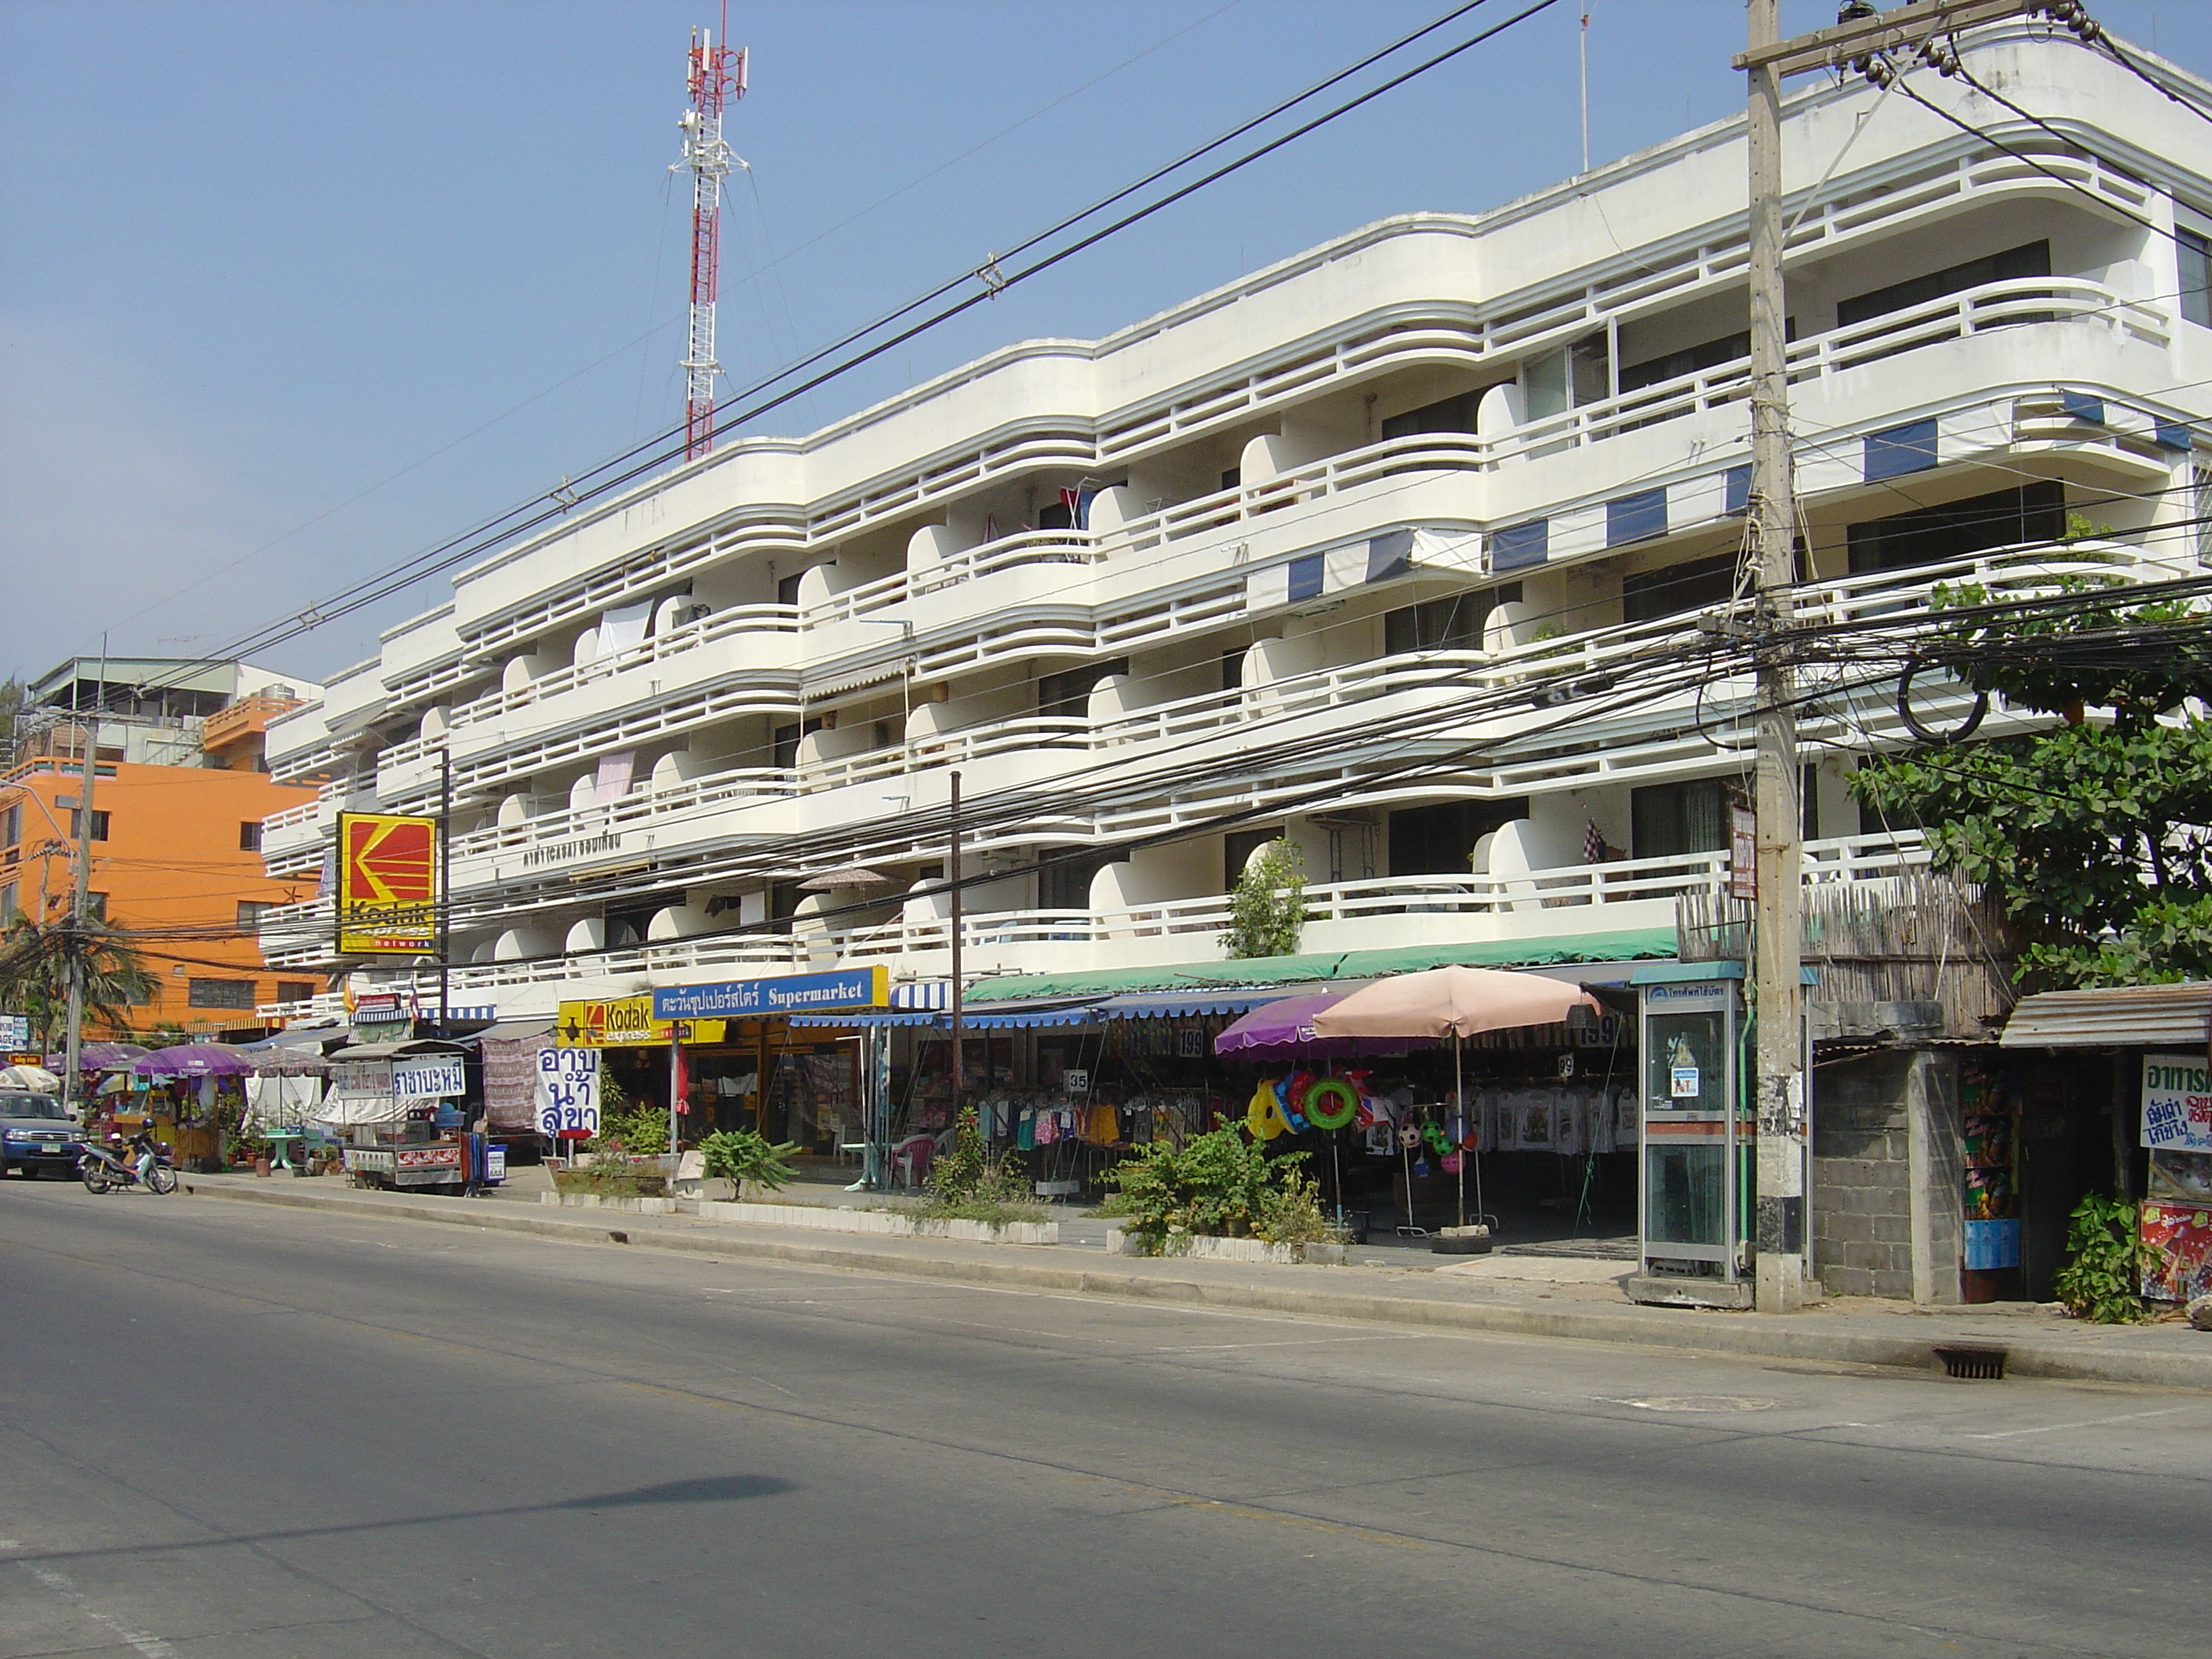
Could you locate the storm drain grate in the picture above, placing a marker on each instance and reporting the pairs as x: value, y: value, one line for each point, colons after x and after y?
x: 617, y: 1238
x: 1972, y: 1365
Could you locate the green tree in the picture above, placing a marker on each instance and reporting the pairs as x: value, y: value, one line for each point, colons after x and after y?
x: 34, y: 973
x: 2094, y: 837
x: 1267, y: 906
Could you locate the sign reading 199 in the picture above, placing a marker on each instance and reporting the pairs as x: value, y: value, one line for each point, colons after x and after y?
x: 568, y: 1093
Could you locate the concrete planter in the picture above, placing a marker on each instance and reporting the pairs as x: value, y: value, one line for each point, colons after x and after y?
x: 599, y: 1201
x: 886, y: 1224
x: 1201, y: 1248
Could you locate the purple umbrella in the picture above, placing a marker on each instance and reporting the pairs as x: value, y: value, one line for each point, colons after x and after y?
x: 104, y: 1056
x: 195, y: 1060
x: 1283, y: 1029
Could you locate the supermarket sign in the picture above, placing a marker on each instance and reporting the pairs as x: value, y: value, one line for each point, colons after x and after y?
x: 2176, y: 1102
x: 792, y: 993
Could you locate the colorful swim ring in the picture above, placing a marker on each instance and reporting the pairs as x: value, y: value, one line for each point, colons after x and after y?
x: 1330, y: 1103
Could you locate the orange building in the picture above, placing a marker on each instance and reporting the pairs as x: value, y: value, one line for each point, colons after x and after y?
x: 177, y: 803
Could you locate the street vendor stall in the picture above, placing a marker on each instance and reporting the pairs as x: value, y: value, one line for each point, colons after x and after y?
x: 393, y: 1102
x: 194, y: 1084
x: 282, y: 1095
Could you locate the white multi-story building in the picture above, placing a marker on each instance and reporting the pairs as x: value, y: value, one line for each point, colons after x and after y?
x: 1386, y: 549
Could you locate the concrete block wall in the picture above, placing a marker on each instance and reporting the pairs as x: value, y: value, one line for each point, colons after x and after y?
x: 1886, y: 1204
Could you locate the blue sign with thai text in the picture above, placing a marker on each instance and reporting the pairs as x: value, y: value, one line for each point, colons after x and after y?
x: 793, y: 993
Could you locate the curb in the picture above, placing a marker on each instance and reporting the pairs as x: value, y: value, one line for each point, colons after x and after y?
x: 1723, y: 1334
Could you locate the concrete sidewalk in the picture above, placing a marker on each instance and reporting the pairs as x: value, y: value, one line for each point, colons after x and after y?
x: 1576, y: 1302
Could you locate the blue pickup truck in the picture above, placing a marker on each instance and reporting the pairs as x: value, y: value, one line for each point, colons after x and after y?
x: 37, y: 1135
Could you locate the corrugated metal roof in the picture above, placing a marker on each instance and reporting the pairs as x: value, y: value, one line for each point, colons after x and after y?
x: 1603, y: 948
x: 2112, y: 1016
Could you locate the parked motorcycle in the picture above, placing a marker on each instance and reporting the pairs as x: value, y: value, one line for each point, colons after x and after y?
x: 106, y: 1168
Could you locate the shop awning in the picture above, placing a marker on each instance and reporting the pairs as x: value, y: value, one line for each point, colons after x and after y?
x: 1184, y: 1005
x: 894, y: 1017
x: 2114, y: 1016
x: 1627, y: 945
x: 509, y: 1030
x: 1006, y: 1016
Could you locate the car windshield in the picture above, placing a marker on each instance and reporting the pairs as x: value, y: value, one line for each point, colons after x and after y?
x: 33, y: 1106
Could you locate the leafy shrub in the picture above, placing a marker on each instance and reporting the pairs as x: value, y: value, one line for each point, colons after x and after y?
x: 640, y: 1130
x: 2107, y: 1261
x: 613, y: 1173
x: 967, y: 1183
x: 746, y: 1156
x: 1221, y: 1185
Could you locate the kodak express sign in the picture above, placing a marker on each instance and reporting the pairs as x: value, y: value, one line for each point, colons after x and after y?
x: 388, y: 880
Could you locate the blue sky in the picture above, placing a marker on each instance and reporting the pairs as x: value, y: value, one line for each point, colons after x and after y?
x: 290, y: 291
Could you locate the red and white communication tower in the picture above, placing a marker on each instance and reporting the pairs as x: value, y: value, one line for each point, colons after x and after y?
x: 716, y: 76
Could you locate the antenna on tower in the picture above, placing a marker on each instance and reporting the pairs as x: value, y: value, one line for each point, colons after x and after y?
x: 715, y: 76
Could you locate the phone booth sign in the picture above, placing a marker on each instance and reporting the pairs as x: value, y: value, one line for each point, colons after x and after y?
x: 1692, y: 1196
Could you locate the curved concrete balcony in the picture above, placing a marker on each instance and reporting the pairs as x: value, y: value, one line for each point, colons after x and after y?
x: 656, y: 818
x: 1375, y: 914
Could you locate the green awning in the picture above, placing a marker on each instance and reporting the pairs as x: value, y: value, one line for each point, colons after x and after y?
x: 1629, y: 946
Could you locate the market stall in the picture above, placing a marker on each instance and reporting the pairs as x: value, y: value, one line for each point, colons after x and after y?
x: 397, y: 1105
x: 196, y: 1090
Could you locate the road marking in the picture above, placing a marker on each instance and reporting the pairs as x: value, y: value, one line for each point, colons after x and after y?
x: 2093, y: 1422
x: 152, y: 1647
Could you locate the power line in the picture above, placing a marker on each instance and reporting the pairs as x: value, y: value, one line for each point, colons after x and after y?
x: 601, y: 479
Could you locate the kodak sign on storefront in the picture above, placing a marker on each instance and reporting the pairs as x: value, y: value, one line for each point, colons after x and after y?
x: 387, y: 898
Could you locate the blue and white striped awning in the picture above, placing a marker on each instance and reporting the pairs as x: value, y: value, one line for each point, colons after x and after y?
x: 1026, y: 1014
x: 923, y: 994
x: 1183, y: 1005
x: 892, y: 1017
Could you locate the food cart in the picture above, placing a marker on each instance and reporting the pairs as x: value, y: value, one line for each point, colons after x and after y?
x: 396, y: 1103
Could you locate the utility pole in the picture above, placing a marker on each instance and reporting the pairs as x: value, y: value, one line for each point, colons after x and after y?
x: 1779, y: 1232
x: 443, y: 889
x: 79, y: 938
x: 952, y: 872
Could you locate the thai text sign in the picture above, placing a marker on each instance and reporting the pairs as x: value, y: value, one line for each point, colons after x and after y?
x: 428, y: 1077
x: 793, y: 993
x: 388, y: 880
x: 14, y: 1031
x: 568, y: 1093
x: 2176, y: 1102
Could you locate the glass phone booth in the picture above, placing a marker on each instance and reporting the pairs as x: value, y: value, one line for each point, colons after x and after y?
x: 1694, y: 1192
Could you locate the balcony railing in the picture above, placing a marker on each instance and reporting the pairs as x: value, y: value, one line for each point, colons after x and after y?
x: 1620, y: 881
x: 639, y: 810
x: 1025, y: 547
x: 739, y: 619
x: 243, y: 718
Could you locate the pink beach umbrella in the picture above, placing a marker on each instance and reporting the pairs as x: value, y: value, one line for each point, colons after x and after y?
x: 1451, y: 1002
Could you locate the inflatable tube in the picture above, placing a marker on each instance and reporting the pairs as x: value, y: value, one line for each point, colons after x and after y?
x: 1263, y: 1118
x: 1319, y: 1110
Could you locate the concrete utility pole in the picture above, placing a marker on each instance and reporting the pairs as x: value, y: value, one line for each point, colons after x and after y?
x: 80, y: 940
x: 959, y: 1036
x: 1779, y: 1223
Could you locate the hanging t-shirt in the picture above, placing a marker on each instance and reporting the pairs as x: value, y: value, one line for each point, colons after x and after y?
x: 1570, y: 1122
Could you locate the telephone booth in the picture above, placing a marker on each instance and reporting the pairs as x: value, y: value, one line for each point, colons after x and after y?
x: 1694, y: 1189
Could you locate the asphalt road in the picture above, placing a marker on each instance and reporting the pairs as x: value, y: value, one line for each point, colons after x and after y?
x: 238, y: 1432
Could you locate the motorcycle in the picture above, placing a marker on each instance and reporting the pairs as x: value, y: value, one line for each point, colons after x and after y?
x: 103, y: 1170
